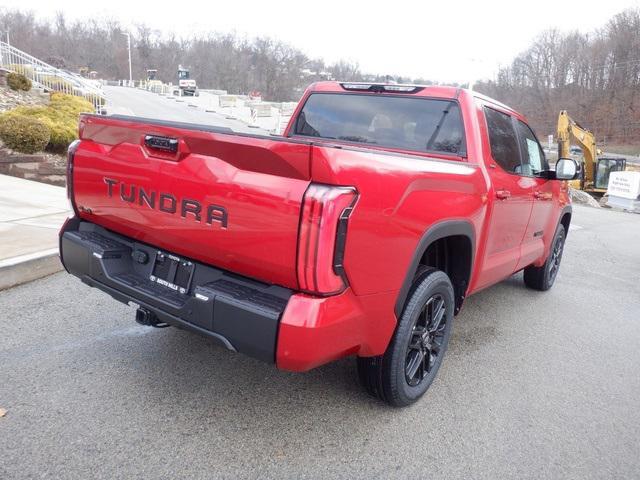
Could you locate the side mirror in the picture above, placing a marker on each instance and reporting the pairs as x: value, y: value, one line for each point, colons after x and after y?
x: 567, y: 169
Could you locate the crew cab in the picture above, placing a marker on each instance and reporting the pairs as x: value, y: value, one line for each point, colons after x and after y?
x: 358, y: 232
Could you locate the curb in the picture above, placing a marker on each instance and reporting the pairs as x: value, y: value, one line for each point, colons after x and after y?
x: 26, y: 268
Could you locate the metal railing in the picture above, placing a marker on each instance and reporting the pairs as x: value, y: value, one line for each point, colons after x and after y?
x: 49, y: 78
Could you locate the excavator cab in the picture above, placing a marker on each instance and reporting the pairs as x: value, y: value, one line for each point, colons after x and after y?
x: 605, y: 166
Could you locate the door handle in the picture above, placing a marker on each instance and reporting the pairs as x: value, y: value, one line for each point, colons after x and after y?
x: 503, y: 194
x: 541, y: 195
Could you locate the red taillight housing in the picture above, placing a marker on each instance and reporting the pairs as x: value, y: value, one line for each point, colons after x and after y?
x: 323, y: 230
x: 71, y: 151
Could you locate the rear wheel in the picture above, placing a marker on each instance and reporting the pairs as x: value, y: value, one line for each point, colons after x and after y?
x: 410, y: 364
x: 542, y: 278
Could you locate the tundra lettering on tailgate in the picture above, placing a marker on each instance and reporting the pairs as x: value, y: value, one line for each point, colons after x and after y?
x: 166, y: 202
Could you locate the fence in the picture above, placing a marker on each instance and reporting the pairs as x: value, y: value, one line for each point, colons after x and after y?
x: 49, y: 78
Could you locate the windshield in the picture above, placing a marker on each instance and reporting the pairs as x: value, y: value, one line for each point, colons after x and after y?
x: 407, y: 123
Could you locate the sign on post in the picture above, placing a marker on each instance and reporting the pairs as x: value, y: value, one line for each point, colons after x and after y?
x: 624, y: 185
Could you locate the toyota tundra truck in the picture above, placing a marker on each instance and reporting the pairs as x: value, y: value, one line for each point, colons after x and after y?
x: 358, y: 232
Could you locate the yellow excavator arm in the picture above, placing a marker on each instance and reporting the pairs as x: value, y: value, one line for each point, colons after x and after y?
x: 569, y: 130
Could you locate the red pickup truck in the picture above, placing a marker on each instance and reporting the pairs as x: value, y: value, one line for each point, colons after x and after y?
x: 360, y: 231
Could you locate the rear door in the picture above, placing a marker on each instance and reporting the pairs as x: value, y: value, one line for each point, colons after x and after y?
x: 512, y: 201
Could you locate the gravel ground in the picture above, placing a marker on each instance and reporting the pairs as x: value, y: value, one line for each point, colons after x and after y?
x: 10, y: 99
x: 534, y: 385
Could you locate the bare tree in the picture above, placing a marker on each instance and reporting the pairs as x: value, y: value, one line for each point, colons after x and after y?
x: 596, y: 76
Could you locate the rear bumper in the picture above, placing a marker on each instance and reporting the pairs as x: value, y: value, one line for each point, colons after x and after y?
x: 271, y: 323
x: 241, y: 314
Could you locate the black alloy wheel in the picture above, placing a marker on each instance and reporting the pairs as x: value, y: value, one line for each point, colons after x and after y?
x: 427, y: 338
x: 410, y: 364
x: 542, y: 278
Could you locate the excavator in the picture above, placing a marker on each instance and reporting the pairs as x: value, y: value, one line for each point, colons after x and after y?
x: 595, y: 171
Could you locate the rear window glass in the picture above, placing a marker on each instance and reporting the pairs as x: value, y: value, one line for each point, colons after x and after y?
x: 418, y: 124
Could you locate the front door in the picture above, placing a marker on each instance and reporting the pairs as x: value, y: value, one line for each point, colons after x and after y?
x: 541, y: 229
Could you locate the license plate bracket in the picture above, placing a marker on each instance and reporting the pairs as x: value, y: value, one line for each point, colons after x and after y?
x: 172, y: 272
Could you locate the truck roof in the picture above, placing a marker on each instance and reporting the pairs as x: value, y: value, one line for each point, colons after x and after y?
x: 441, y: 91
x: 424, y: 90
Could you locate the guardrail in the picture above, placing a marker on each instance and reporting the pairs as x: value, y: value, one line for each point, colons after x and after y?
x: 49, y: 78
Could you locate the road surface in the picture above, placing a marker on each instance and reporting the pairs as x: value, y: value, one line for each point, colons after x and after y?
x: 534, y: 385
x: 140, y: 103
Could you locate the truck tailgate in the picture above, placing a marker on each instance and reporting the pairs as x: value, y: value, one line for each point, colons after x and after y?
x: 229, y: 200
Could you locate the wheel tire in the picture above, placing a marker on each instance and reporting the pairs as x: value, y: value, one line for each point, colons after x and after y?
x: 388, y: 377
x: 542, y: 278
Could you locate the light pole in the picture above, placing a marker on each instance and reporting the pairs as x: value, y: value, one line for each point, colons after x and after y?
x: 128, y: 35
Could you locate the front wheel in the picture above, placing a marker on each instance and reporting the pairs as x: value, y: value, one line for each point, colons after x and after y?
x: 410, y: 364
x: 542, y: 278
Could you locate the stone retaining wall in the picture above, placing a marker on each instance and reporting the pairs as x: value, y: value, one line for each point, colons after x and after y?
x: 39, y: 167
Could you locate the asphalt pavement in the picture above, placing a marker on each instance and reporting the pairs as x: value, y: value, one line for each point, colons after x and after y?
x: 534, y: 385
x: 141, y: 103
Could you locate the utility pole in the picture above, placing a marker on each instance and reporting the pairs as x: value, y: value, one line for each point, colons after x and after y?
x: 128, y: 35
x: 8, y: 42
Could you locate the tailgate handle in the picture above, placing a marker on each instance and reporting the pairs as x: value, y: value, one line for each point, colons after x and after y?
x: 157, y: 142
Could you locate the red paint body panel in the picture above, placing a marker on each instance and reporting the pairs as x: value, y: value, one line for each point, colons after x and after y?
x: 314, y: 331
x: 229, y: 171
x: 261, y: 181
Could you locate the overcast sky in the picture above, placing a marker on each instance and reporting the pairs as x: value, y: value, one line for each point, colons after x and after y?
x: 445, y: 41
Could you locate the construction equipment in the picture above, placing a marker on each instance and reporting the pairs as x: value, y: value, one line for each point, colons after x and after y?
x: 153, y: 84
x: 186, y: 85
x: 595, y: 171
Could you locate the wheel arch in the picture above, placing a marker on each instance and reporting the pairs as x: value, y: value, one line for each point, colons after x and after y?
x: 565, y: 218
x: 459, y: 233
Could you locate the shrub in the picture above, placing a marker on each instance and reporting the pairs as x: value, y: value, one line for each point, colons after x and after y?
x: 69, y: 104
x: 61, y: 116
x: 24, y: 134
x: 17, y: 81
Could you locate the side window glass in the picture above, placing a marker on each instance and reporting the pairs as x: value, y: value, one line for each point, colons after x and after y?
x: 503, y: 140
x: 533, y: 159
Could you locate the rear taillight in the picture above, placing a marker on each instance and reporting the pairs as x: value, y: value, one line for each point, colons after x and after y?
x: 71, y: 152
x: 323, y: 230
